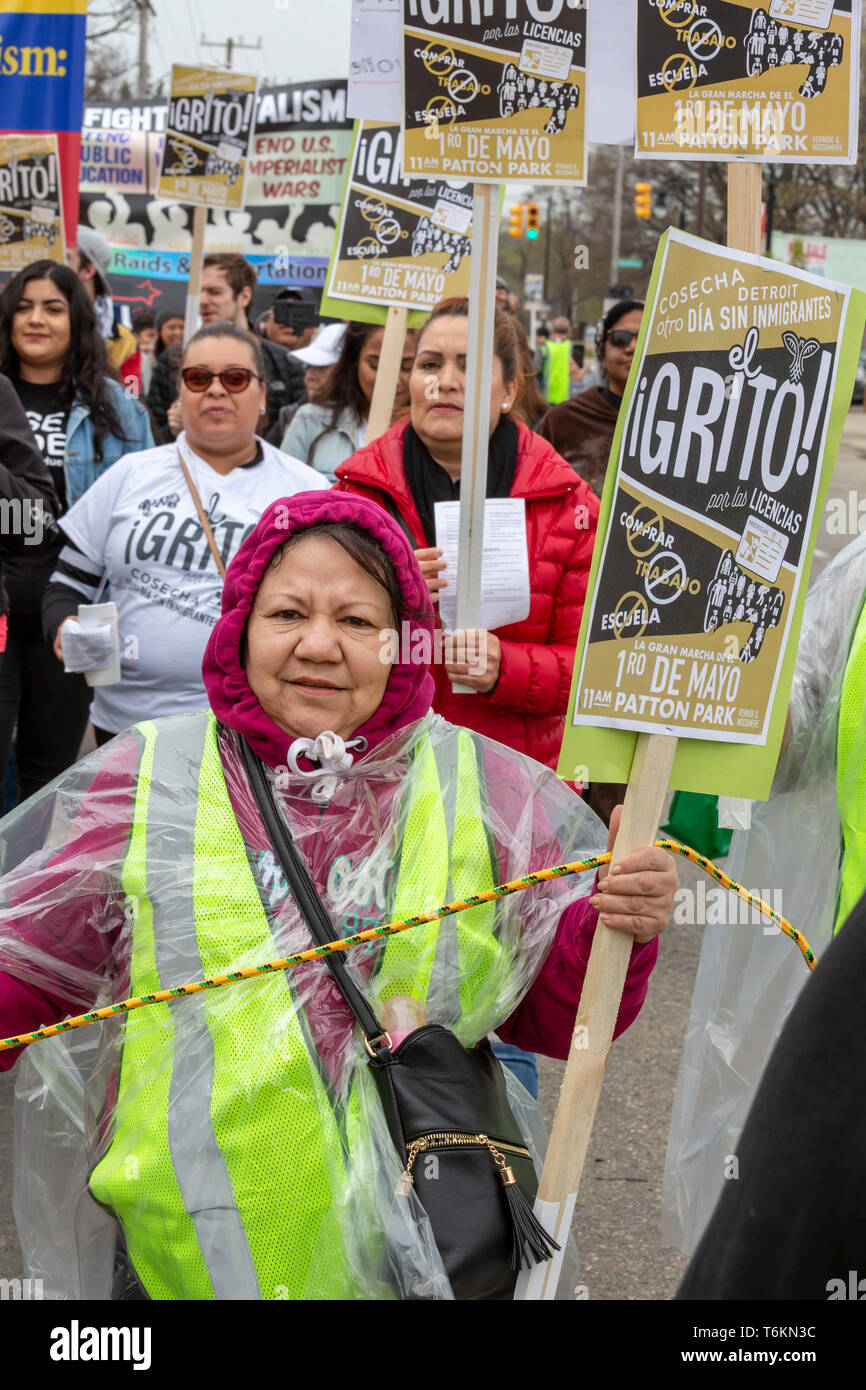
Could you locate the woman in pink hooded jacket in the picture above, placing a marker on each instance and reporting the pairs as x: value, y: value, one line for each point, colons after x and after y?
x: 234, y: 1145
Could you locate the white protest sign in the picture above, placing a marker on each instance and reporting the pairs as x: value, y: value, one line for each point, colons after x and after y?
x: 375, y: 61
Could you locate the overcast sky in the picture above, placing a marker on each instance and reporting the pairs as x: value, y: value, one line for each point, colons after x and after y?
x: 301, y: 39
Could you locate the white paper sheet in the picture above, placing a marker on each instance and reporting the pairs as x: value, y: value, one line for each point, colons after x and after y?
x: 504, y: 565
x: 735, y: 813
x: 375, y: 61
x: 540, y: 1282
x: 612, y: 76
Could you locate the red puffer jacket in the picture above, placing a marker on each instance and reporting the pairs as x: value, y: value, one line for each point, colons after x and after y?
x: 526, y: 710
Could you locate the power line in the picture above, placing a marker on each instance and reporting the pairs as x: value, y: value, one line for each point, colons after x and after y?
x: 230, y: 44
x: 192, y: 21
x: 180, y: 42
x: 200, y: 24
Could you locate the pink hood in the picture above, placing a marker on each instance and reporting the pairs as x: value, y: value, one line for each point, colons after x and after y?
x: 409, y: 691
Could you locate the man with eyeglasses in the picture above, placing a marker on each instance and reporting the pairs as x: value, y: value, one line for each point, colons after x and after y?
x: 228, y: 284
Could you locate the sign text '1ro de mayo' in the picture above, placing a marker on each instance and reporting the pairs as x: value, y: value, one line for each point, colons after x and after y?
x: 495, y: 89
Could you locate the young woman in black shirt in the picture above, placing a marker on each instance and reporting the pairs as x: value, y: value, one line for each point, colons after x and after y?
x: 83, y: 421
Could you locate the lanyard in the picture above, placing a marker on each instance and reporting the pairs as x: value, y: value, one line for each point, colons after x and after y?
x: 200, y: 509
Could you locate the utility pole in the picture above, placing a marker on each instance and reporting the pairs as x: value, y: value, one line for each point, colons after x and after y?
x: 771, y: 208
x: 145, y: 8
x: 231, y: 45
x: 617, y: 215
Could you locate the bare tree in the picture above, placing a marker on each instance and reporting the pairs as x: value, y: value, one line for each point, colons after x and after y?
x: 574, y: 249
x: 108, y: 61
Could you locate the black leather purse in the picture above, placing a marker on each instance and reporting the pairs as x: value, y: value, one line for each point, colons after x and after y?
x: 447, y: 1112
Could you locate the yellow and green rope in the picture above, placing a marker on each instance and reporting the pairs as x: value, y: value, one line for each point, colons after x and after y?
x: 391, y: 928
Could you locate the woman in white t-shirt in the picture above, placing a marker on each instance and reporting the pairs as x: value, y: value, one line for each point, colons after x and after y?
x: 139, y: 529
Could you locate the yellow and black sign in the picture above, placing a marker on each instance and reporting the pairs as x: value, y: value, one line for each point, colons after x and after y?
x: 401, y: 240
x: 492, y: 98
x: 726, y: 79
x: 712, y: 496
x: 211, y: 119
x: 31, y: 212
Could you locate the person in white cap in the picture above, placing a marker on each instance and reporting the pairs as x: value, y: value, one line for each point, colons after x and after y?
x: 317, y: 359
x: 331, y: 428
x: 90, y: 260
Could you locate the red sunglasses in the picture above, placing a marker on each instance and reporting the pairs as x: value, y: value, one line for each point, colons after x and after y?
x: 233, y: 379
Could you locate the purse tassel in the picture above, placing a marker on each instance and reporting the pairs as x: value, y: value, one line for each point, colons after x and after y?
x: 532, y: 1244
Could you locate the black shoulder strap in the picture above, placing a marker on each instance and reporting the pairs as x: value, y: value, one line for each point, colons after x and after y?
x: 305, y: 894
x: 394, y: 511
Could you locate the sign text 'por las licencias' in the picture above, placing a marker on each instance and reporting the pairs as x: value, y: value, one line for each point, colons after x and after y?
x: 495, y: 91
x: 713, y: 495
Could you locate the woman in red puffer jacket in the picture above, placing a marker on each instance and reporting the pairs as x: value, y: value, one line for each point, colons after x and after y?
x: 522, y: 691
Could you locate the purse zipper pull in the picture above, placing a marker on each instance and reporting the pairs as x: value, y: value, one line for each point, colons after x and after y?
x: 406, y: 1180
x: 531, y: 1242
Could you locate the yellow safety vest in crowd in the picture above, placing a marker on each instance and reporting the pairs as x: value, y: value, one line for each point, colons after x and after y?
x: 558, y: 376
x: 228, y: 1145
x: 851, y: 774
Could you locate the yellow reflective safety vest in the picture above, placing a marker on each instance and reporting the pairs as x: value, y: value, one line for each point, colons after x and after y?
x: 557, y: 377
x: 851, y: 774
x: 228, y: 1145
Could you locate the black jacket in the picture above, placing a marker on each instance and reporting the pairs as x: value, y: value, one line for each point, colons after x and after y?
x: 28, y: 504
x: 285, y: 385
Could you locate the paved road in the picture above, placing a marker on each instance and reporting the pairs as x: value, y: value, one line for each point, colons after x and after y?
x: 617, y: 1221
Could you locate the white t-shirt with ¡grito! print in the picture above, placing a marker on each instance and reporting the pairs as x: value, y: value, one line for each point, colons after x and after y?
x: 138, y: 522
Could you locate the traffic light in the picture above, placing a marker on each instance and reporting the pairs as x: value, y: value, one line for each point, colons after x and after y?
x: 515, y: 221
x: 533, y: 217
x: 643, y: 197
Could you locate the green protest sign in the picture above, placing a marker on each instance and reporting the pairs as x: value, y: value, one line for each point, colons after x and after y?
x: 719, y: 472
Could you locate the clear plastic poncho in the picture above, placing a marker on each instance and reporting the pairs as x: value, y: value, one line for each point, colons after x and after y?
x: 230, y: 1144
x: 750, y: 973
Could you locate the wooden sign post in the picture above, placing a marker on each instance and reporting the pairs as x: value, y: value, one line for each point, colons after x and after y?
x: 193, y: 293
x: 387, y: 373
x: 476, y: 407
x: 608, y: 962
x: 594, y: 1025
x: 744, y: 207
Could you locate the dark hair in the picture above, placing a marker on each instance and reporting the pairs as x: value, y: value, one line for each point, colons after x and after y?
x: 161, y: 320
x: 505, y: 343
x: 542, y: 331
x: 530, y: 403
x: 240, y: 275
x: 606, y: 324
x: 85, y: 368
x: 226, y: 329
x: 365, y: 550
x: 145, y: 318
x: 343, y: 388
